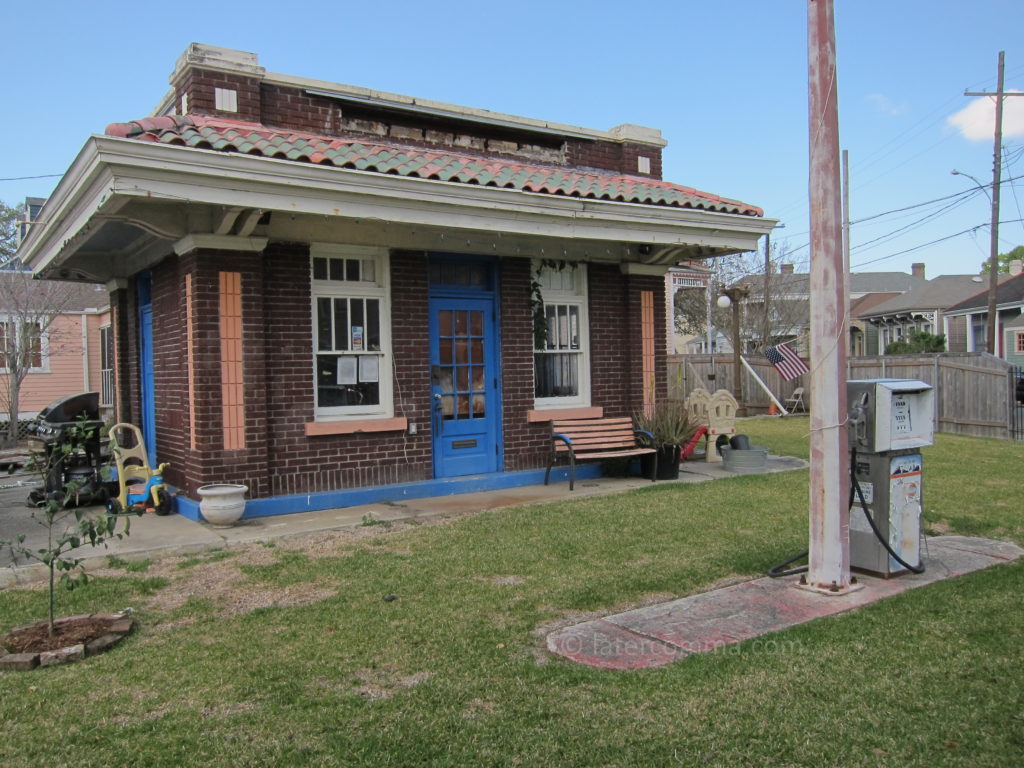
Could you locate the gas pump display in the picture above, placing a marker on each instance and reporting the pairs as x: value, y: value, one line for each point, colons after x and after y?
x: 890, y: 420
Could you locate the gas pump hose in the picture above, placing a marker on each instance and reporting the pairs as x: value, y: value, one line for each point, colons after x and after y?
x: 854, y: 484
x: 776, y: 571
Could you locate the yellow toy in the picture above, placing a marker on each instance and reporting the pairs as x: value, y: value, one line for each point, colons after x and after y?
x: 141, y: 487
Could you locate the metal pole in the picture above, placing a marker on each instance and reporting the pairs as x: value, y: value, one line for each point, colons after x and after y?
x: 829, y: 545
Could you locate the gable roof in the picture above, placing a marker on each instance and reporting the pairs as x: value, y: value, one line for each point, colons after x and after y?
x: 1009, y: 291
x: 937, y: 293
x: 799, y: 283
x: 417, y: 162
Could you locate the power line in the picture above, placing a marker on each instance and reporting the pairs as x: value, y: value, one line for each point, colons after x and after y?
x: 24, y: 178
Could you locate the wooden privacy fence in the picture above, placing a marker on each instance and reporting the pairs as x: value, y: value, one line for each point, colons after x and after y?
x: 974, y: 393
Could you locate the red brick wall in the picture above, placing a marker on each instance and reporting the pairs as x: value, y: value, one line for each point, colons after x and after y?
x: 199, y: 86
x: 613, y: 156
x: 279, y: 106
x: 525, y: 444
x: 279, y: 458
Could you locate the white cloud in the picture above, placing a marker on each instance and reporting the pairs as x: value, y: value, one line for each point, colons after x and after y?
x: 884, y: 104
x: 977, y: 121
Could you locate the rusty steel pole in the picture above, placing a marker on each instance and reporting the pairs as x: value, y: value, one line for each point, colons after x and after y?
x: 829, y: 548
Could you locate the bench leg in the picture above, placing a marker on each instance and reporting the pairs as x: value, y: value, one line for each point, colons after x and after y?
x: 654, y: 467
x: 547, y: 474
x: 572, y: 470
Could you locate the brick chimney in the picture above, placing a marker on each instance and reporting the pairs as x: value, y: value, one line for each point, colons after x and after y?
x: 1016, y: 267
x: 785, y: 269
x: 917, y: 269
x: 221, y: 82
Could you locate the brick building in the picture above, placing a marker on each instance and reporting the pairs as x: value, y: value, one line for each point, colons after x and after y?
x: 335, y: 295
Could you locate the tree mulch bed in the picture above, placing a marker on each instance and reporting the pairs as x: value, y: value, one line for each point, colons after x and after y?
x: 74, y: 638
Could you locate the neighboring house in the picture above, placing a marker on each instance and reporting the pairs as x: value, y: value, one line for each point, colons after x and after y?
x: 919, y: 309
x: 966, y: 322
x: 69, y: 354
x: 789, y: 295
x: 335, y: 295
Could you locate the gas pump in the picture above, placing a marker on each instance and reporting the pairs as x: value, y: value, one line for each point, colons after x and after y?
x: 890, y: 420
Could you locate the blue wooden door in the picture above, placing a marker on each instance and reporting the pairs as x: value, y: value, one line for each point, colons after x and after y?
x: 148, y: 425
x: 466, y: 412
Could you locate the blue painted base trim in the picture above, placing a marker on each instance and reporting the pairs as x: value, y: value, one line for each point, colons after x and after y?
x: 354, y: 497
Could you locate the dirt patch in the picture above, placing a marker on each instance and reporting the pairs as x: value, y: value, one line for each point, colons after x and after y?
x: 35, y: 638
x: 376, y: 684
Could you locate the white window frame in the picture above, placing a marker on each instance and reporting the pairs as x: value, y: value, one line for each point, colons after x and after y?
x: 44, y: 346
x: 554, y: 291
x: 379, y: 288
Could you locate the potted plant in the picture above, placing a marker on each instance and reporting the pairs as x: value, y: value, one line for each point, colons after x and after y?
x: 668, y: 421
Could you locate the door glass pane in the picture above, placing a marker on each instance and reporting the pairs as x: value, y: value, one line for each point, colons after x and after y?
x: 461, y: 324
x: 448, y: 407
x: 462, y: 378
x: 444, y: 322
x: 463, y: 406
x: 461, y: 351
x: 445, y: 349
x: 476, y: 323
x: 478, y: 406
x: 477, y: 350
x: 478, y: 377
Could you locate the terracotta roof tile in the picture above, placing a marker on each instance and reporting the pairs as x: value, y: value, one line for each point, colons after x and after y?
x: 417, y: 162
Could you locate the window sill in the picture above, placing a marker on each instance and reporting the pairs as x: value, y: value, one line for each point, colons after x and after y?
x: 550, y: 414
x: 315, y: 428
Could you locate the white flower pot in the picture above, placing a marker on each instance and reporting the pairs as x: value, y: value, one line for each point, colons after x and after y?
x: 222, y: 504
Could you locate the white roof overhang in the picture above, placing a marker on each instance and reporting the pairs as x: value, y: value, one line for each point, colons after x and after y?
x: 125, y: 201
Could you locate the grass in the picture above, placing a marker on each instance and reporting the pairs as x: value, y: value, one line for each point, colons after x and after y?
x: 451, y: 671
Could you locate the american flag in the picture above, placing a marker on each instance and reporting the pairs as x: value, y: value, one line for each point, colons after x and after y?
x: 786, y: 361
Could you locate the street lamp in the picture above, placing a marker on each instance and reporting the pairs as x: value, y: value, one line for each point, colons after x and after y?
x: 732, y: 297
x: 993, y: 263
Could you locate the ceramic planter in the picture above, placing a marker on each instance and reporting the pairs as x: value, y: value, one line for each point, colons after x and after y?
x: 222, y: 504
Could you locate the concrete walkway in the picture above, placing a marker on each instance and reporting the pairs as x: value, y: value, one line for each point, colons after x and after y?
x: 663, y: 633
x: 175, y: 535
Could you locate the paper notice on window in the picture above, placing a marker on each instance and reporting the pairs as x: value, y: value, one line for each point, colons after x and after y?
x: 369, y: 368
x: 357, y: 338
x: 347, y: 370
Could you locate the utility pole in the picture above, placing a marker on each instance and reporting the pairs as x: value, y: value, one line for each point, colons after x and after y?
x: 997, y: 169
x: 829, y: 513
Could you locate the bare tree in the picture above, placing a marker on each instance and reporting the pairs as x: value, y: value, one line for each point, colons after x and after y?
x: 776, y: 309
x: 28, y: 309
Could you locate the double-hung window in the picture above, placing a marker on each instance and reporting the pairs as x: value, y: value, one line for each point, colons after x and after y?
x: 23, y: 346
x: 561, y: 354
x: 352, y: 333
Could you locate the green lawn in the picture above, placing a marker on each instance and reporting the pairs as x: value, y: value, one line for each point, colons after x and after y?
x: 452, y: 671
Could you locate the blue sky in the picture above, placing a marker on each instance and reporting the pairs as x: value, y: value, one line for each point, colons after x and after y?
x: 725, y: 82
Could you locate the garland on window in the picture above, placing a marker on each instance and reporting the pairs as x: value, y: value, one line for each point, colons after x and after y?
x: 540, y: 320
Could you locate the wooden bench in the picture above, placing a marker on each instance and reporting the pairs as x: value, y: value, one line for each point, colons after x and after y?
x: 582, y: 439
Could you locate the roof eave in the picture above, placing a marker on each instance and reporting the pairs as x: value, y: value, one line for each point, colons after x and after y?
x: 110, y: 171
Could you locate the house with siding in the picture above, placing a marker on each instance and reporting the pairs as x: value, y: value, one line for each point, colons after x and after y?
x: 919, y: 309
x: 789, y: 294
x: 335, y: 295
x: 66, y: 327
x: 966, y: 322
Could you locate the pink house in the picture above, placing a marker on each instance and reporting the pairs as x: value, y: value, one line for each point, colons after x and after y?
x: 71, y: 353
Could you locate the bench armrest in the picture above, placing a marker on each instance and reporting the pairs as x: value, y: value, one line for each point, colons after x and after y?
x: 644, y: 433
x: 564, y: 438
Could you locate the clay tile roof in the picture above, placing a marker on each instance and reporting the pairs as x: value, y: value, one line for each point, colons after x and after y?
x: 418, y: 162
